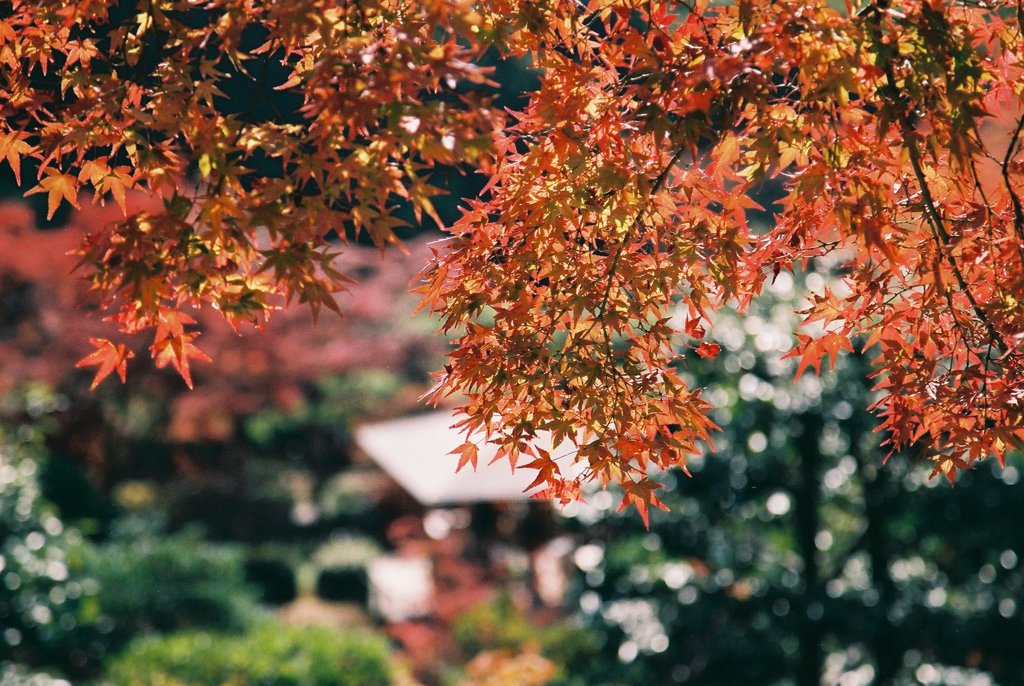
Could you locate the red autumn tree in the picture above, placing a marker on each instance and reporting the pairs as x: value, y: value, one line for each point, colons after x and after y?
x: 615, y: 220
x: 44, y: 328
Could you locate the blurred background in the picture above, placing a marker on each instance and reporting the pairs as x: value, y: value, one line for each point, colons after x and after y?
x: 284, y: 524
x: 257, y: 530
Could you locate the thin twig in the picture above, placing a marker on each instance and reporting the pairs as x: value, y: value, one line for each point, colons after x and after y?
x: 1018, y: 210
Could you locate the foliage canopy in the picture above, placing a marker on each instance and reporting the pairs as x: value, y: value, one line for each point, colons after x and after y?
x: 616, y: 216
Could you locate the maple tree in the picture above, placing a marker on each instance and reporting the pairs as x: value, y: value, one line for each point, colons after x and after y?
x: 45, y: 328
x: 616, y: 216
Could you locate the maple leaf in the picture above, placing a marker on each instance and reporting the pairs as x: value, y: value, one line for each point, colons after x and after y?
x: 811, y: 350
x: 468, y: 453
x: 109, y: 358
x: 641, y: 496
x: 12, y: 147
x: 178, y: 351
x: 58, y: 186
x: 949, y: 466
x: 170, y: 323
x: 93, y: 171
x: 116, y: 182
x: 708, y: 350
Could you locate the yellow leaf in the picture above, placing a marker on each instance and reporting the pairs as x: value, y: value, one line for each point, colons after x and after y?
x: 12, y: 147
x: 789, y: 156
x: 58, y: 187
x: 93, y: 171
x: 205, y: 165
x: 117, y: 182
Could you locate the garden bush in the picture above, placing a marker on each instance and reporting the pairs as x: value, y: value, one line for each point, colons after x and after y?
x: 501, y: 626
x: 271, y: 569
x: 345, y: 494
x: 159, y: 582
x: 344, y: 584
x: 241, y: 507
x: 341, y: 566
x: 270, y: 654
x: 48, y: 604
x: 318, y: 427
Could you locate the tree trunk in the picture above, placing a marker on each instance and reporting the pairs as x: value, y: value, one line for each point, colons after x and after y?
x: 809, y: 606
x: 885, y: 644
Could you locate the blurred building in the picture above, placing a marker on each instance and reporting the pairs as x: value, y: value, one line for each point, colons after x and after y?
x: 416, y: 452
x: 476, y: 530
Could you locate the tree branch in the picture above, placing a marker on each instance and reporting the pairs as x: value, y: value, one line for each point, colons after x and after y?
x: 942, y: 236
x: 1018, y: 210
x: 909, y: 135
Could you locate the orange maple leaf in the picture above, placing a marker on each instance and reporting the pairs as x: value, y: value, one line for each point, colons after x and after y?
x: 641, y: 496
x: 117, y: 182
x: 812, y: 350
x: 109, y: 358
x: 468, y: 454
x: 178, y: 351
x: 58, y: 186
x: 12, y: 147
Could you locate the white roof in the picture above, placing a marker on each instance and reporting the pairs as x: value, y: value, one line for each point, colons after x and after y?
x: 415, y: 451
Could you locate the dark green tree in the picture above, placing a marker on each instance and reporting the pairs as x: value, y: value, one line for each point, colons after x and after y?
x: 49, y: 609
x: 797, y: 554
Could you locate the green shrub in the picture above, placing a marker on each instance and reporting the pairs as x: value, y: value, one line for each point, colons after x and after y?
x: 271, y: 654
x: 500, y: 625
x: 493, y: 626
x: 65, y: 484
x: 157, y: 582
x: 48, y: 604
x: 271, y: 569
x: 328, y: 408
x: 346, y: 550
x: 246, y: 507
x: 350, y: 496
x: 341, y: 568
x: 350, y: 585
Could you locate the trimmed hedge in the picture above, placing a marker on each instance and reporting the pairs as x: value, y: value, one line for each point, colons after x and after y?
x: 270, y: 654
x: 341, y: 568
x: 272, y: 570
